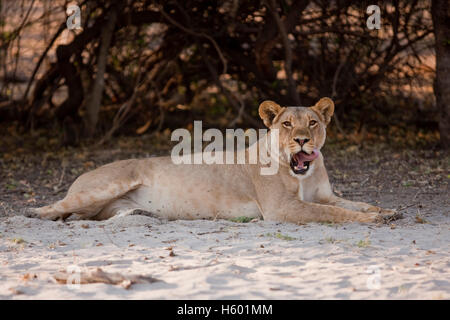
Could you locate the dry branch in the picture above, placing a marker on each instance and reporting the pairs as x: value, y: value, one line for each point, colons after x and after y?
x: 93, y: 103
x: 293, y: 93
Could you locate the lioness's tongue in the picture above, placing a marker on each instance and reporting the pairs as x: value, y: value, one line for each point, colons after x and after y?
x: 301, y: 157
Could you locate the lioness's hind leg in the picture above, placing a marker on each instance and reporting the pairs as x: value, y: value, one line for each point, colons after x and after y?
x: 73, y: 203
x: 92, y: 191
x: 86, y: 204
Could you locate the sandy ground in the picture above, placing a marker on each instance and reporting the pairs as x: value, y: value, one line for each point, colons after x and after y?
x: 407, y: 259
x: 226, y: 260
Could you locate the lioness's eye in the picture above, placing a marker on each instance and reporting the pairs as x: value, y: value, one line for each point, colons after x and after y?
x: 286, y: 124
x: 312, y: 122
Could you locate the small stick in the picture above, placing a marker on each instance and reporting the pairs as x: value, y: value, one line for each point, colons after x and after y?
x: 408, y: 206
x: 365, y: 180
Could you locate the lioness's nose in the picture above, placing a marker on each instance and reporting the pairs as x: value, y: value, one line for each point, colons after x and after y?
x: 301, y: 141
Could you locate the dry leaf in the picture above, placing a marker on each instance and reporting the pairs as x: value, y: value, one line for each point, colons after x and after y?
x: 88, y: 164
x: 100, y: 276
x: 144, y: 128
x: 28, y: 276
x: 16, y: 291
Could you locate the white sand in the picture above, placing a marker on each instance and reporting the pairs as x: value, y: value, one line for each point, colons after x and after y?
x: 226, y: 260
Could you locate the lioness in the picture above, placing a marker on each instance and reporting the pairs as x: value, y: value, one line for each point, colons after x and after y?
x: 299, y: 193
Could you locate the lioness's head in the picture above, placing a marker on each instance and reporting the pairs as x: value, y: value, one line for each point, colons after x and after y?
x: 302, y: 131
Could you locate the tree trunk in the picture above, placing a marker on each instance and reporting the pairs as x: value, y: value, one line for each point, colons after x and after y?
x: 440, y: 11
x: 94, y: 100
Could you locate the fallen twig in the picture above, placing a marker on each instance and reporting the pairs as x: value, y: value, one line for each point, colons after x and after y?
x: 209, y: 264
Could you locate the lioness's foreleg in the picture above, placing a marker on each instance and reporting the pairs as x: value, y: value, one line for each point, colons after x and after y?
x: 297, y: 211
x: 324, y: 194
x: 357, y: 206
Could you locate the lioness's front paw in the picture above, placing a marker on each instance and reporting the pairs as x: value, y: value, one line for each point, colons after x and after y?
x: 381, y: 211
x: 368, y: 208
x: 388, y: 212
x: 373, y: 209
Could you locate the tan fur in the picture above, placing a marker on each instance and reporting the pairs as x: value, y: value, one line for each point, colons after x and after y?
x: 215, y: 191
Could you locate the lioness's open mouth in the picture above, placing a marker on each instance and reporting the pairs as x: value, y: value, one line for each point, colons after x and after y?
x: 300, y: 161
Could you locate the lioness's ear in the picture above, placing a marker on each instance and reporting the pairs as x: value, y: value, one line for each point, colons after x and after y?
x: 325, y: 108
x: 268, y: 110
